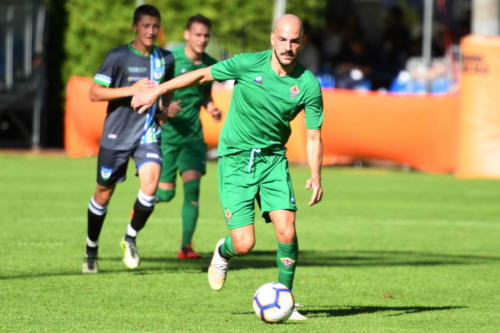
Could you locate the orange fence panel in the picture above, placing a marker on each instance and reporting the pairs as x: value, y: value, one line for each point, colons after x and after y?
x: 84, y: 119
x: 479, y: 154
x: 419, y: 131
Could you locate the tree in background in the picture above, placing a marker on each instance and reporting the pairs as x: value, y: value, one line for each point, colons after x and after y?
x: 238, y: 26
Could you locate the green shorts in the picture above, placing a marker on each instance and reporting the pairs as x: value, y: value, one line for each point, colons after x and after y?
x: 243, y: 180
x: 182, y: 157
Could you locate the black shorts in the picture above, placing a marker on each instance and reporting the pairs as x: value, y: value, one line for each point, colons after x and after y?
x: 112, y: 164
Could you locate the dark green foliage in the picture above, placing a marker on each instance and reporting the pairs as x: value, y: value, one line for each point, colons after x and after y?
x: 95, y: 27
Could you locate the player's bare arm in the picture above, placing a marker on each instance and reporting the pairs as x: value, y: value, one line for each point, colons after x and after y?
x: 168, y: 108
x: 99, y: 93
x: 213, y: 110
x: 147, y: 97
x: 314, y: 147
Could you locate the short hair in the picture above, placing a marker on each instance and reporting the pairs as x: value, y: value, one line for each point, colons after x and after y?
x: 146, y: 10
x: 198, y: 18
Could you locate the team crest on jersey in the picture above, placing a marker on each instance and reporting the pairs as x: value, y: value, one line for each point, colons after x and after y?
x: 294, y: 91
x: 228, y: 215
x: 287, y: 262
x: 106, y: 172
x: 258, y: 80
x: 157, y: 74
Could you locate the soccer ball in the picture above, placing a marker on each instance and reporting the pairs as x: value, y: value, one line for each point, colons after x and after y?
x: 273, y: 302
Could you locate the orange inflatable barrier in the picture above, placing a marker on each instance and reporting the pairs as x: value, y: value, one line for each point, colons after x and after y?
x: 479, y: 154
x: 418, y: 131
x: 83, y: 120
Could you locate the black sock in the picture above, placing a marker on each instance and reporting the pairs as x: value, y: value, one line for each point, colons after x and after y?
x: 129, y: 238
x: 95, y: 220
x: 140, y: 216
x: 94, y: 225
x: 91, y: 251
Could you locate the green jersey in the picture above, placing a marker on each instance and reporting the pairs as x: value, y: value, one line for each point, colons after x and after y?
x: 264, y: 103
x: 185, y: 127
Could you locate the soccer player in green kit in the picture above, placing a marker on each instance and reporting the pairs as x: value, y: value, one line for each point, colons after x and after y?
x: 271, y: 87
x: 182, y: 144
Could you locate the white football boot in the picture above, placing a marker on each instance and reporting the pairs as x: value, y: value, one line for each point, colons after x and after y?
x: 217, y: 270
x: 89, y: 265
x: 130, y: 254
x: 296, y: 315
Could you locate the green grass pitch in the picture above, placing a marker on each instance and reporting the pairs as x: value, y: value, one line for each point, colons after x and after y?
x: 386, y: 251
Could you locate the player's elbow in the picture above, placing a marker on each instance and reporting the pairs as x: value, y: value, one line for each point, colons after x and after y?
x: 94, y: 94
x: 205, y: 75
x: 93, y: 97
x: 314, y: 135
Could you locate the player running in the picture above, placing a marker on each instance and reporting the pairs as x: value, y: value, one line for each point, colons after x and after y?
x: 182, y: 143
x: 271, y: 87
x: 125, y: 71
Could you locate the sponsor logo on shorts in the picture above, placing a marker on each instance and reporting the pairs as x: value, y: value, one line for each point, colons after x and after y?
x: 182, y: 71
x: 228, y: 216
x: 258, y: 80
x: 294, y: 91
x: 106, y: 172
x: 112, y: 136
x: 153, y: 155
x: 287, y: 262
x: 292, y: 201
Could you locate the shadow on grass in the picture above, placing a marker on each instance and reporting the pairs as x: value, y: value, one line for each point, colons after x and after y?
x: 267, y: 259
x: 353, y: 310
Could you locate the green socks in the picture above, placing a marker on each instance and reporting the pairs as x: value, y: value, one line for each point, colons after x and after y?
x: 226, y: 250
x: 286, y: 258
x: 190, y: 210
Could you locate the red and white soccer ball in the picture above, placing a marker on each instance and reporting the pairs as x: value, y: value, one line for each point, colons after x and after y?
x: 273, y: 302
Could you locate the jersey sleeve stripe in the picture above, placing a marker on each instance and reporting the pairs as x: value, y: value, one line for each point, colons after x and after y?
x: 102, y: 80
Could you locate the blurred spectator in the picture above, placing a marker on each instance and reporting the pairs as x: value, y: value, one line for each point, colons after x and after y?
x: 354, y: 66
x: 331, y: 42
x: 309, y: 56
x: 395, y: 49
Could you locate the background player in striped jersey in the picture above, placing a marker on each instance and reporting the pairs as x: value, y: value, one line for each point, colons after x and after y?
x: 128, y: 134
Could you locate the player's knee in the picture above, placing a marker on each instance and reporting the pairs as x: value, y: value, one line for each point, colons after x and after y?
x: 165, y: 195
x: 102, y: 195
x: 243, y: 246
x: 192, y: 191
x: 286, y: 235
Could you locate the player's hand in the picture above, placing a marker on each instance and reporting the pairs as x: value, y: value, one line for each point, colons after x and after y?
x: 143, y: 100
x: 314, y: 184
x: 214, y: 111
x: 162, y: 118
x: 173, y: 108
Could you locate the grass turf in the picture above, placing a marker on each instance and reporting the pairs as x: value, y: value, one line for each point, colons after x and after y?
x: 385, y: 251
